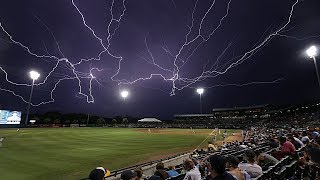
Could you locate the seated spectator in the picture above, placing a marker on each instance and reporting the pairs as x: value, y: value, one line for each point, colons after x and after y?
x: 154, y: 177
x: 313, y: 153
x: 253, y: 169
x: 273, y: 143
x: 305, y: 139
x: 128, y: 175
x: 139, y: 173
x: 99, y: 173
x: 286, y: 146
x: 296, y: 144
x: 172, y: 172
x: 160, y: 171
x: 232, y: 165
x: 314, y: 134
x: 217, y: 168
x: 212, y: 147
x: 192, y: 172
x: 265, y: 160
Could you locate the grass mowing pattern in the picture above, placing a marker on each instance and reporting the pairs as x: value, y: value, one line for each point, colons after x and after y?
x: 70, y: 153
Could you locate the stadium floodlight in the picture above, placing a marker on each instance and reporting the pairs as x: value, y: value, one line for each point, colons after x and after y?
x: 312, y: 52
x: 124, y: 94
x: 34, y: 75
x: 200, y: 92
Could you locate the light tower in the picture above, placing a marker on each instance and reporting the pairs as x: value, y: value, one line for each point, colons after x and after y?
x: 312, y: 52
x: 34, y: 75
x: 200, y: 92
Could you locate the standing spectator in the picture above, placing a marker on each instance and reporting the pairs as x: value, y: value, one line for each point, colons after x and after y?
x: 232, y: 165
x: 253, y: 169
x: 192, y: 172
x: 217, y: 169
x: 160, y: 171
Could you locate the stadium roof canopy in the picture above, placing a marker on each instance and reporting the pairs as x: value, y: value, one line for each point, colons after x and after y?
x: 193, y: 115
x: 240, y: 108
x: 149, y: 120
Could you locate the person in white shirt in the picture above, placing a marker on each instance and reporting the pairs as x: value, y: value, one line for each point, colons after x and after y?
x: 192, y: 171
x: 253, y: 169
x: 305, y: 139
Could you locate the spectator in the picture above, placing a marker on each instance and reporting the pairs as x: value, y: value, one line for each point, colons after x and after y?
x: 172, y: 172
x: 139, y: 173
x: 160, y: 171
x: 232, y: 165
x: 128, y: 175
x: 265, y: 160
x: 212, y: 147
x: 313, y: 153
x: 98, y: 173
x: 273, y: 143
x: 314, y: 134
x: 286, y: 146
x: 217, y: 168
x: 297, y: 141
x: 253, y: 169
x: 305, y: 139
x: 192, y: 172
x: 294, y: 142
x: 196, y: 162
x: 154, y: 177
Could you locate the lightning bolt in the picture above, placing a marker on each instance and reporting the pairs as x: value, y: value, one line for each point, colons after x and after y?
x: 173, y: 75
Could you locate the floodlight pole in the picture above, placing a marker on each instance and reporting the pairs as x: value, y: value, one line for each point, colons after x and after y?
x: 200, y: 105
x: 29, y: 103
x: 315, y: 65
x: 88, y: 119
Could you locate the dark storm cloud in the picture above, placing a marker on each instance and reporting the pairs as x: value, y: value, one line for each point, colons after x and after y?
x: 150, y: 29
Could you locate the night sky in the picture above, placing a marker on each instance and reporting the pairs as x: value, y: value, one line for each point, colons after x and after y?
x: 243, y: 53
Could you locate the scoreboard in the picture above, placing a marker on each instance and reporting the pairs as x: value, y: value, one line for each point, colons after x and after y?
x: 10, y: 117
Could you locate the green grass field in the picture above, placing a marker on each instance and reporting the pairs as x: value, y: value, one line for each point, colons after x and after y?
x: 71, y: 153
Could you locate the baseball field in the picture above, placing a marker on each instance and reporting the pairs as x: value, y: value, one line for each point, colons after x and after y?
x: 71, y: 153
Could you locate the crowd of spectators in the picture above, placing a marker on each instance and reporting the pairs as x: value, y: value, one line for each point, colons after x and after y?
x: 265, y: 153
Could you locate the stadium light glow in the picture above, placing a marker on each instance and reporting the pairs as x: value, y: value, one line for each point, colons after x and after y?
x: 124, y: 94
x: 312, y: 51
x: 34, y: 75
x: 200, y: 91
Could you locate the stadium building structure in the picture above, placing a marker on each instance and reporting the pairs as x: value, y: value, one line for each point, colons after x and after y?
x: 231, y: 117
x: 239, y: 117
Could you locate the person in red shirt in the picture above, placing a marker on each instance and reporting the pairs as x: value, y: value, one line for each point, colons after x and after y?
x: 286, y: 146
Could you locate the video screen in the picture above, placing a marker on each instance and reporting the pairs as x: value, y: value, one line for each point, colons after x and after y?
x: 10, y: 117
